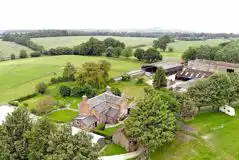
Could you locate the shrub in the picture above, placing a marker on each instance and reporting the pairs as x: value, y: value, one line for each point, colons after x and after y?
x: 89, y: 90
x: 77, y: 92
x: 23, y: 54
x: 13, y: 56
x: 140, y: 81
x: 35, y: 54
x: 44, y: 106
x: 25, y: 97
x: 101, y: 126
x: 59, y: 79
x: 41, y: 88
x: 116, y: 91
x: 125, y: 77
x: 61, y: 104
x: 65, y: 91
x: 170, y: 49
x: 25, y: 104
x: 14, y: 103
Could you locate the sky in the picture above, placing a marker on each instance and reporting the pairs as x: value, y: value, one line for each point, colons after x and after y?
x: 185, y: 15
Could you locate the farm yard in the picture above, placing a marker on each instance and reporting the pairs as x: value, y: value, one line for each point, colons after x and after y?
x: 8, y: 48
x: 19, y: 77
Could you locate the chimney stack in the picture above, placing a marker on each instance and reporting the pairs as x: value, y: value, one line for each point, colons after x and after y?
x: 84, y: 98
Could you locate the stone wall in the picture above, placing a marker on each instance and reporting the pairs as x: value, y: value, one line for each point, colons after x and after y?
x: 120, y: 139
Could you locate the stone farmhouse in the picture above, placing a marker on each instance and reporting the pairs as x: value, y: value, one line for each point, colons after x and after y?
x: 213, y: 66
x: 105, y: 108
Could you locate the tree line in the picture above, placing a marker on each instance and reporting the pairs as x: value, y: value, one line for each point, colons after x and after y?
x: 178, y: 35
x: 22, y: 40
x: 227, y: 52
x: 109, y: 47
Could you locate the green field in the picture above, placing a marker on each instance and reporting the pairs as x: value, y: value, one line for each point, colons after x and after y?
x: 181, y: 46
x: 53, y: 42
x: 217, y: 139
x: 19, y: 77
x: 8, y: 48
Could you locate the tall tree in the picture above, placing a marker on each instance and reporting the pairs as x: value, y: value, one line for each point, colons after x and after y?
x: 139, y: 53
x: 162, y: 42
x: 69, y: 71
x: 216, y: 91
x: 151, y: 123
x: 127, y: 52
x: 13, y: 143
x: 160, y: 80
x: 39, y: 138
x: 63, y: 145
x: 95, y: 74
x: 188, y: 106
x: 152, y: 55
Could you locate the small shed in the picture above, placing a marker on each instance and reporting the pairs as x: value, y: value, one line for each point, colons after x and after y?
x: 120, y: 138
x: 96, y: 139
x: 169, y: 67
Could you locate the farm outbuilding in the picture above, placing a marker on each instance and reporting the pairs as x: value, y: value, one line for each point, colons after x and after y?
x: 188, y: 74
x: 169, y: 67
x: 213, y: 66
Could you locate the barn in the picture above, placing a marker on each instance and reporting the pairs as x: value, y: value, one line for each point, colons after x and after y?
x: 169, y: 67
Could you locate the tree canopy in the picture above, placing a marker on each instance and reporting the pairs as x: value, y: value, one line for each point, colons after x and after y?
x: 160, y: 80
x: 95, y: 74
x: 227, y: 52
x: 162, y: 42
x: 152, y: 123
x: 69, y: 71
x: 21, y: 139
x: 218, y: 90
x: 152, y: 55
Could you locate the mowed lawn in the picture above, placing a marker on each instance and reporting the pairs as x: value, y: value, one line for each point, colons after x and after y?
x: 217, y: 139
x: 70, y: 41
x: 19, y: 77
x: 8, y: 48
x: 112, y: 149
x: 63, y: 116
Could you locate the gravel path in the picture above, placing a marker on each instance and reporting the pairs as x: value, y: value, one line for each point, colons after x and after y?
x: 124, y: 156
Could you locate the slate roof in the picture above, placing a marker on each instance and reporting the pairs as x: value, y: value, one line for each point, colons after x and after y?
x: 89, y: 120
x: 189, y: 73
x: 103, y: 99
x: 113, y: 112
x: 164, y: 65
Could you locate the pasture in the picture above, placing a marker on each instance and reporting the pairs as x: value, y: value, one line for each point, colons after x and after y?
x: 53, y: 42
x: 181, y: 46
x: 217, y: 139
x: 8, y: 48
x: 19, y: 77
